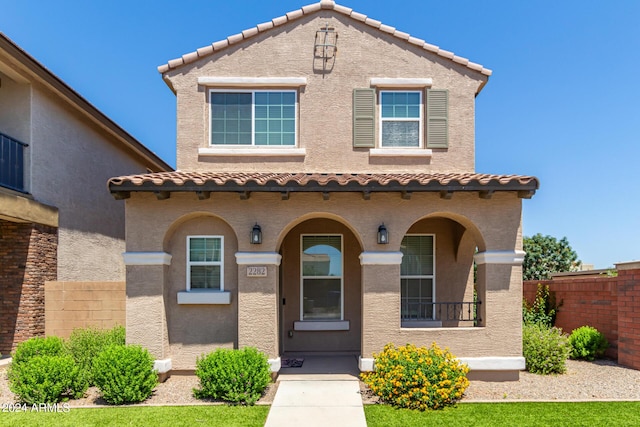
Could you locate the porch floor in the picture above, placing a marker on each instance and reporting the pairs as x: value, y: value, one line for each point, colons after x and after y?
x: 323, y: 391
x: 317, y: 367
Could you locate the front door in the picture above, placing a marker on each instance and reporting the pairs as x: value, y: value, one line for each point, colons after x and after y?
x: 320, y: 289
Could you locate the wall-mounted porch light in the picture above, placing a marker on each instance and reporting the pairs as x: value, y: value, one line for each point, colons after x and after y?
x: 256, y: 235
x: 383, y: 235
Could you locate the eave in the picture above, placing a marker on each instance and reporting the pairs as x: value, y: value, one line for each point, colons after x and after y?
x: 203, y: 184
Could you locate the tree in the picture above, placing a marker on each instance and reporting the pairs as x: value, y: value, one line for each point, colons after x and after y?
x: 546, y: 255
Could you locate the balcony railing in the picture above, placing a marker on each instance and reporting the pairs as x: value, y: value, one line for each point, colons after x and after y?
x: 12, y: 154
x: 440, y: 311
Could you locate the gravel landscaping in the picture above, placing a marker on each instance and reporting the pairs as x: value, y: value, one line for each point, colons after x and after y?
x: 599, y: 380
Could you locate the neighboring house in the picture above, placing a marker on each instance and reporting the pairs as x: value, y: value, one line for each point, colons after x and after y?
x: 57, y: 221
x: 325, y: 202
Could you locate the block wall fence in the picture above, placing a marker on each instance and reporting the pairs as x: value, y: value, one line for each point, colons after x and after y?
x: 609, y: 304
x: 72, y: 305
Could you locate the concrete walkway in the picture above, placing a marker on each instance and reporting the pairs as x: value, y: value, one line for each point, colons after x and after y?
x: 325, y: 391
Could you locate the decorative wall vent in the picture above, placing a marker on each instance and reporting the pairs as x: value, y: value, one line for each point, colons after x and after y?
x: 325, y: 49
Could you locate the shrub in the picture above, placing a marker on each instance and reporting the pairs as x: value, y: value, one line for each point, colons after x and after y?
x: 38, y: 346
x: 86, y: 344
x: 545, y: 349
x: 543, y: 310
x: 238, y: 376
x: 417, y: 377
x: 46, y: 379
x: 587, y: 343
x: 124, y: 374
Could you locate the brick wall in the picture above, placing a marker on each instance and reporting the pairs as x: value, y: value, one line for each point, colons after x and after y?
x: 71, y: 305
x: 609, y: 304
x: 28, y: 258
x: 629, y: 316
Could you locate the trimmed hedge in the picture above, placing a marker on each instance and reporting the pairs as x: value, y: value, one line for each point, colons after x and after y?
x: 238, y: 376
x: 124, y: 374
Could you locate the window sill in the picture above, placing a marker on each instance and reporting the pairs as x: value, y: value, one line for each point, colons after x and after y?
x: 401, y: 82
x: 421, y: 324
x: 327, y: 325
x: 259, y: 152
x: 400, y: 152
x: 204, y: 297
x: 252, y: 81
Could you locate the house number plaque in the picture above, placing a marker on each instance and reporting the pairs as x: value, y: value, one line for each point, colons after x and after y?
x: 257, y: 271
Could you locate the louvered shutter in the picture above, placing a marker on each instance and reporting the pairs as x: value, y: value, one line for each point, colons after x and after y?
x: 437, y: 118
x: 364, y: 110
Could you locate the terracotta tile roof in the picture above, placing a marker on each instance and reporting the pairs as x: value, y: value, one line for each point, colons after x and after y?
x: 319, y: 182
x: 309, y: 9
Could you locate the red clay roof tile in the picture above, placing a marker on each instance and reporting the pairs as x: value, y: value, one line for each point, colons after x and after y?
x: 266, y: 182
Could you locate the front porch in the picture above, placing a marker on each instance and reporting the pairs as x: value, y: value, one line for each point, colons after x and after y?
x: 317, y: 278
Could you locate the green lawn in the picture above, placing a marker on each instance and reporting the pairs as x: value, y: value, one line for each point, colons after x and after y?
x: 209, y: 415
x: 511, y: 414
x: 465, y: 414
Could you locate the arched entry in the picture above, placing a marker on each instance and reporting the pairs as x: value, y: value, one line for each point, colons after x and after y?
x: 437, y: 274
x: 320, y: 289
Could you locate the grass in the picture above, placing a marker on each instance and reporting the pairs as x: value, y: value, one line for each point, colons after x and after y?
x: 209, y: 415
x: 510, y: 414
x: 466, y: 414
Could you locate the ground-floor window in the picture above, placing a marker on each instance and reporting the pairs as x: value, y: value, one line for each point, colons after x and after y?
x: 417, y: 277
x: 205, y: 262
x: 321, y: 285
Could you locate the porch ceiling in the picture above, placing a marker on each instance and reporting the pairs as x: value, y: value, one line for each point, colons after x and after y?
x: 204, y: 183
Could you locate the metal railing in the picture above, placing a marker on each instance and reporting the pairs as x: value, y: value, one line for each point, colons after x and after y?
x: 12, y: 170
x: 440, y: 311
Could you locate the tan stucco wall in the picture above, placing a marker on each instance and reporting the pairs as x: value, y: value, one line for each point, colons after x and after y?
x: 68, y: 162
x: 258, y: 310
x: 71, y: 305
x: 15, y: 115
x: 146, y: 320
x: 197, y: 329
x: 325, y: 103
x: 71, y: 161
x: 492, y: 224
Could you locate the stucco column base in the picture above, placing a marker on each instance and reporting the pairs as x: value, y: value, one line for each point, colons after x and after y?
x: 163, y: 368
x: 366, y: 364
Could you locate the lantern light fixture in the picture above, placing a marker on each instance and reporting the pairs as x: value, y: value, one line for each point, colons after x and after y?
x: 383, y: 235
x: 256, y: 235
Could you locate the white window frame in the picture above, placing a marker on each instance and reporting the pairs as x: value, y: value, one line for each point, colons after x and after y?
x: 420, y: 120
x: 423, y: 276
x: 190, y: 263
x: 302, y: 277
x: 253, y: 119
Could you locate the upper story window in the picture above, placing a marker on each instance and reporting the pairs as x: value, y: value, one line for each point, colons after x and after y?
x: 253, y: 118
x: 401, y: 119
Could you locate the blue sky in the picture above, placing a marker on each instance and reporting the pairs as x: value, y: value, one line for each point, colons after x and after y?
x: 562, y: 103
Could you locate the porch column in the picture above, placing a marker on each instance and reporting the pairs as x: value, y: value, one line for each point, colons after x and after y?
x: 146, y: 321
x: 500, y: 292
x: 258, y: 303
x: 380, y: 302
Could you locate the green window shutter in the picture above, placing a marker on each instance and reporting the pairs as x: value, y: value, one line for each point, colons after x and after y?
x: 364, y: 122
x: 437, y: 118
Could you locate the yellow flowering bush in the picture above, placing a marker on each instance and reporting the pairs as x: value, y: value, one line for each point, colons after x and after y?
x: 417, y: 377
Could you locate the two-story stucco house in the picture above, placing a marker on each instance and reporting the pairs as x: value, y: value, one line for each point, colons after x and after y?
x: 325, y: 202
x: 57, y: 222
